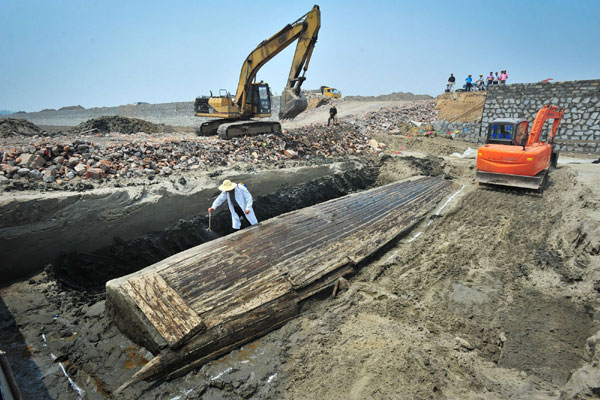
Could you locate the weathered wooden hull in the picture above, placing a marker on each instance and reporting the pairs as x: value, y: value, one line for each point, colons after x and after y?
x: 208, y: 300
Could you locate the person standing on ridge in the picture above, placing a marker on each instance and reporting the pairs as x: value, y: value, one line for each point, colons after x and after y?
x: 503, y: 77
x: 490, y: 79
x: 479, y: 83
x: 450, y: 84
x: 238, y: 199
x: 469, y: 81
x: 495, y: 81
x: 332, y: 115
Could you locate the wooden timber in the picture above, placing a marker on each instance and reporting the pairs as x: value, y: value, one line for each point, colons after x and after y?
x: 203, y: 302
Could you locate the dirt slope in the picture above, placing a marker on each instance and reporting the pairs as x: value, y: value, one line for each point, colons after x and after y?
x: 461, y: 106
x: 494, y: 300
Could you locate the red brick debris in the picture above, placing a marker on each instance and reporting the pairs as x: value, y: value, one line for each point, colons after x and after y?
x: 57, y: 162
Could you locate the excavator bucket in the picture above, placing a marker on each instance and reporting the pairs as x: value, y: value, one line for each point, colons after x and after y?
x: 291, y: 104
x: 535, y: 182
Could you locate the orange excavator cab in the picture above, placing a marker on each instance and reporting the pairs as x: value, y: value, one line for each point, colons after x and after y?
x: 512, y: 156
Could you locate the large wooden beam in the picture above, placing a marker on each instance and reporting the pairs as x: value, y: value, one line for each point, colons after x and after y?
x: 205, y: 301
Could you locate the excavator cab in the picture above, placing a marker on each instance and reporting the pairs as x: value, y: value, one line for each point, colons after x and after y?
x: 260, y: 100
x: 512, y: 132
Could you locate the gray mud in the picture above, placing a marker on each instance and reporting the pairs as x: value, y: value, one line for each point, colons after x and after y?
x: 497, y: 297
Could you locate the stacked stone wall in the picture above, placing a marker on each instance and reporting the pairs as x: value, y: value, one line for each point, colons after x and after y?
x: 580, y: 127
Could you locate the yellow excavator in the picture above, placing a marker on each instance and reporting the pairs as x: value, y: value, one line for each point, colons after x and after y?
x: 253, y: 99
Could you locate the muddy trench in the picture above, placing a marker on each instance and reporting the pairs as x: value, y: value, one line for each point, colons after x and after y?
x: 91, y: 270
x: 61, y: 346
x: 477, y: 304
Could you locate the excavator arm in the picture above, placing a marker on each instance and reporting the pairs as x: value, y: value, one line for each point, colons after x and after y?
x: 305, y: 30
x: 545, y: 113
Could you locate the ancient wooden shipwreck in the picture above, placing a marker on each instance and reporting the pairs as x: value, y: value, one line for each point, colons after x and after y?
x: 204, y: 302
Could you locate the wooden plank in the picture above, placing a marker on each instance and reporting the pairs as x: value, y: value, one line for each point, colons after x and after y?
x: 303, y: 268
x: 164, y: 308
x: 285, y: 230
x: 290, y: 241
x: 247, y: 283
x: 218, y: 340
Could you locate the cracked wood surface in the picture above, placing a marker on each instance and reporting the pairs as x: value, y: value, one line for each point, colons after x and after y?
x: 245, y: 284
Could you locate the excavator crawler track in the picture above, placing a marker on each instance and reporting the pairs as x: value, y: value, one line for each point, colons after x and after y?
x: 536, y: 182
x: 247, y: 128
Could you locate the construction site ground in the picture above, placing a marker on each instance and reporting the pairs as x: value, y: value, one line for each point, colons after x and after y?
x: 495, y: 295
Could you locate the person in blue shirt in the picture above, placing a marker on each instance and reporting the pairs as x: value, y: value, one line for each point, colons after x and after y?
x: 469, y: 83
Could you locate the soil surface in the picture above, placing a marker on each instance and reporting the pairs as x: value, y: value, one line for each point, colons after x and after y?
x: 460, y: 106
x: 496, y: 295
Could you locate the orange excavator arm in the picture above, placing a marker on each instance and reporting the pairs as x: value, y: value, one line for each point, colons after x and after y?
x: 545, y: 113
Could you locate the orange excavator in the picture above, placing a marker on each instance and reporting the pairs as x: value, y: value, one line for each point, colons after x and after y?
x: 514, y: 157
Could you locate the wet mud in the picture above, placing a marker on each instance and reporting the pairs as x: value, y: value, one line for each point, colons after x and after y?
x: 495, y: 296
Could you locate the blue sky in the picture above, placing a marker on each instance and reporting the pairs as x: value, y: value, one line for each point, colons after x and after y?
x: 57, y: 53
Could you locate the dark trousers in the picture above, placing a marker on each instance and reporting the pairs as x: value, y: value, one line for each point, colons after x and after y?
x: 469, y: 85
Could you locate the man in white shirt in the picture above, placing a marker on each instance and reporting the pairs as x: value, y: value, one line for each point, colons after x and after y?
x: 239, y: 201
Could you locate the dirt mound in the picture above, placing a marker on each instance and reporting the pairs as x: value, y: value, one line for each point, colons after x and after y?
x: 462, y: 107
x: 109, y: 124
x: 395, y: 96
x: 18, y: 127
x: 69, y: 108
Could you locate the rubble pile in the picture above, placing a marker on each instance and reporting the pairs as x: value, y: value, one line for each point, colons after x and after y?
x: 397, y: 119
x: 108, y: 124
x: 18, y: 127
x: 60, y: 162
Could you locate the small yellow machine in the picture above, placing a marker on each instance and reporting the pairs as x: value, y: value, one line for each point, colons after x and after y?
x: 253, y: 99
x: 330, y: 92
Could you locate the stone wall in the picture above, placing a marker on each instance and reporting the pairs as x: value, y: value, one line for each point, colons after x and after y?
x: 580, y: 127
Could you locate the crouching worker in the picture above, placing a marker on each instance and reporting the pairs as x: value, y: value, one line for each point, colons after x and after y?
x: 239, y: 200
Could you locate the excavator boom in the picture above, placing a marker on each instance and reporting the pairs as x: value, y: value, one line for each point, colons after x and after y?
x: 545, y: 113
x: 252, y: 99
x: 305, y: 30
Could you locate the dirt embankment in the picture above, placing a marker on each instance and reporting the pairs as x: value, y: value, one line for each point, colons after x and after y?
x: 395, y: 96
x: 460, y: 106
